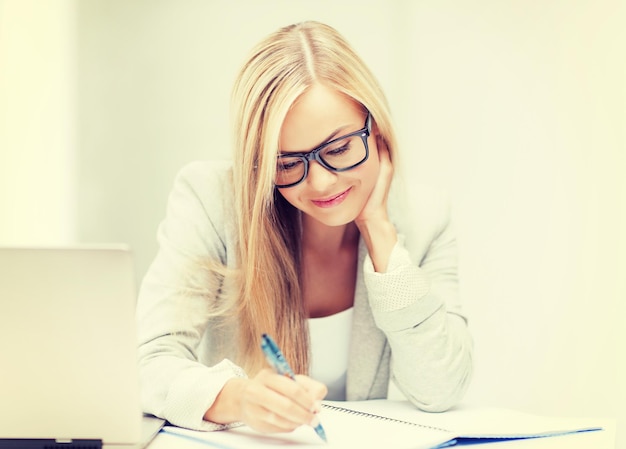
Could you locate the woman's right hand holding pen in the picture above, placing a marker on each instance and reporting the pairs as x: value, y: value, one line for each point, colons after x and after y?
x: 269, y: 402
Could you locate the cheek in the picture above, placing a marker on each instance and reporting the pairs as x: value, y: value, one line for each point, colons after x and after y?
x: 370, y: 172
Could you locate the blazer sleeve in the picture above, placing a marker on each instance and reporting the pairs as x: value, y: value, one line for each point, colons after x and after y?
x: 171, y: 324
x: 416, y: 304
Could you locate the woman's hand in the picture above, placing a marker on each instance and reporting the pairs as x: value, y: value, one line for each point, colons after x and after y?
x: 268, y: 402
x: 373, y: 222
x: 375, y: 209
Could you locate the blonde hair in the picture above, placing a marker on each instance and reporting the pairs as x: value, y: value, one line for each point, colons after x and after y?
x: 267, y: 295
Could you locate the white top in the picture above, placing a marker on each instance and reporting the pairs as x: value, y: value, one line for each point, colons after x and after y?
x: 330, y: 345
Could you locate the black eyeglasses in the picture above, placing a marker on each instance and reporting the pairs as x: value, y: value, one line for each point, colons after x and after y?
x: 337, y: 155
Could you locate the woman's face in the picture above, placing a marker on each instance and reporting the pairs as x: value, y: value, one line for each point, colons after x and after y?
x: 332, y: 198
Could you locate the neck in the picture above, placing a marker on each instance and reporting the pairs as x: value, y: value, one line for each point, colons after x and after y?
x: 322, y: 238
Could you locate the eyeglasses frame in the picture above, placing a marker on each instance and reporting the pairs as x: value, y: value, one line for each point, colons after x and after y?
x: 313, y: 155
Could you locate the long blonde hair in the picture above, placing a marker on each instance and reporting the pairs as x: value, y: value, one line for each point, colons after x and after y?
x: 267, y: 294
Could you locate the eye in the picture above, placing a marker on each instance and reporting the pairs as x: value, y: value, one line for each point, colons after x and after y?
x: 337, y: 149
x: 288, y: 164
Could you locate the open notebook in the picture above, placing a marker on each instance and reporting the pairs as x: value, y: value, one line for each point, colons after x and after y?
x: 385, y: 423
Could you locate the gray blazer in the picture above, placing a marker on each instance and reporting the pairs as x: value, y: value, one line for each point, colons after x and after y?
x: 408, y: 324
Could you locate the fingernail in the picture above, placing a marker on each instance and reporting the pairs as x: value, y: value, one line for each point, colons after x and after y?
x: 317, y: 407
x: 315, y: 421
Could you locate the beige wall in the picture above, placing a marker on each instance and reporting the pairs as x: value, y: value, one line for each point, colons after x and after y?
x: 516, y: 107
x: 154, y: 83
x: 37, y: 121
x: 519, y: 109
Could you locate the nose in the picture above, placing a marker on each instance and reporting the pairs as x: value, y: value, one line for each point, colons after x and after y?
x: 319, y: 178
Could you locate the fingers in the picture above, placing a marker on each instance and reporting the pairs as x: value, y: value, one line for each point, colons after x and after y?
x: 386, y: 167
x: 375, y: 209
x: 317, y: 389
x: 275, y: 403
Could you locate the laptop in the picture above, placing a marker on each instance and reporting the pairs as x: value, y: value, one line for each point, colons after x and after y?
x: 68, y: 360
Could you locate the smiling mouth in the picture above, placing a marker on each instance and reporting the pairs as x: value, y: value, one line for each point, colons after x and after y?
x: 333, y: 200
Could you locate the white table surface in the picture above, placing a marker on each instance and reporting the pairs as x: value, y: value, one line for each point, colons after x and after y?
x: 603, y: 439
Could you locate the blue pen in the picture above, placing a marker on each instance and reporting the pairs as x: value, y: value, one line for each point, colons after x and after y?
x: 277, y: 360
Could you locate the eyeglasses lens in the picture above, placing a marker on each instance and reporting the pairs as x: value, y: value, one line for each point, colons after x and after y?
x: 338, y: 155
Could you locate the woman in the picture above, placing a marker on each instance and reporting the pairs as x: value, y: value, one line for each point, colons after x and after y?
x: 301, y: 237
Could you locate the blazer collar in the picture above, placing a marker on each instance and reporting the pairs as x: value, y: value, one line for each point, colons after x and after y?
x: 367, y: 342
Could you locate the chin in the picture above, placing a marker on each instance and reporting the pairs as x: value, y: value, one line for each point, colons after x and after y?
x: 334, y: 219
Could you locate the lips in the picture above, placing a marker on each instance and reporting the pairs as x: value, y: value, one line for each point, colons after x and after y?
x: 333, y: 200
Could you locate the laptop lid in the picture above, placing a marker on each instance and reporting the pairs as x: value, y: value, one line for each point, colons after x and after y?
x: 68, y: 345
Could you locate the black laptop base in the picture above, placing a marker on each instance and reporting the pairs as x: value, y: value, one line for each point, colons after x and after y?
x: 49, y: 444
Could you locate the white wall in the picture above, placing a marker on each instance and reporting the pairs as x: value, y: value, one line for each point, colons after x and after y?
x: 517, y: 107
x: 155, y: 81
x: 37, y: 122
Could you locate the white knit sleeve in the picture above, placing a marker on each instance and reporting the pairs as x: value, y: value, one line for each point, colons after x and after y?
x: 400, y: 286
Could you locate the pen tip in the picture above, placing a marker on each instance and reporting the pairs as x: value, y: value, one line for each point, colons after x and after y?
x: 320, y: 431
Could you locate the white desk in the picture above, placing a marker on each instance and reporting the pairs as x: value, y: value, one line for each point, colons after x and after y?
x: 604, y: 439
